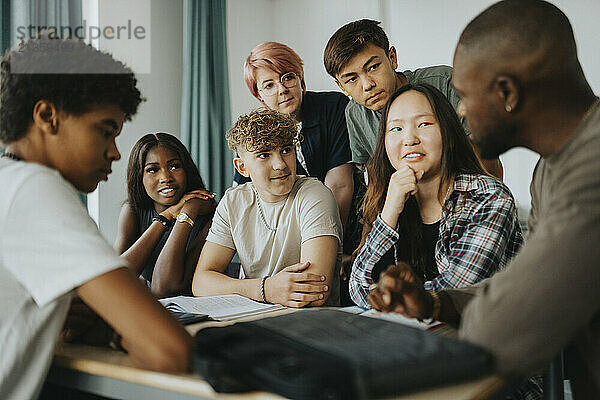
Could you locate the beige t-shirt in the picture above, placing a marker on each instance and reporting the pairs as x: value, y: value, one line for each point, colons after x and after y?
x: 268, y: 236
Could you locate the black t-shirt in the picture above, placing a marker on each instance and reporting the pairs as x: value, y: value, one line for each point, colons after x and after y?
x: 430, y: 238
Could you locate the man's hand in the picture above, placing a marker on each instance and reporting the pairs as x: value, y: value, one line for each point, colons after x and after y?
x: 398, y: 290
x: 294, y: 287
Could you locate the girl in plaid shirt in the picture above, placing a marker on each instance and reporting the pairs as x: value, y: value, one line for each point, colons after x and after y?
x: 429, y: 201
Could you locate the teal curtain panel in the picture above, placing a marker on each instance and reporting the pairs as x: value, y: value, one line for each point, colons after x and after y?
x: 205, y: 114
x: 4, y: 25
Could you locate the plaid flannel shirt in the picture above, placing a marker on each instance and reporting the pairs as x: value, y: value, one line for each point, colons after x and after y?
x: 478, y: 236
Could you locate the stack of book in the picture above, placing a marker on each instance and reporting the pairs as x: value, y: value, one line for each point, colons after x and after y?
x: 219, y: 308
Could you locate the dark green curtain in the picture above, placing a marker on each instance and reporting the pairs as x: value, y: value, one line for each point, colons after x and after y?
x: 4, y: 32
x: 4, y: 25
x: 205, y: 109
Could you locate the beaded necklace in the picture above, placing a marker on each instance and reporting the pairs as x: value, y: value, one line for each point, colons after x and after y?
x: 260, y: 210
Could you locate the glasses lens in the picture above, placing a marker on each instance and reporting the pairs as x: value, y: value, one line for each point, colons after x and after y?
x: 289, y: 80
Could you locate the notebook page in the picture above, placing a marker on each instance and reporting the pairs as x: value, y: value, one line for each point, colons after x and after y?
x: 219, y: 307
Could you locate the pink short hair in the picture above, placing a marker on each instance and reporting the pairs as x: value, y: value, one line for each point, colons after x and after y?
x: 275, y: 56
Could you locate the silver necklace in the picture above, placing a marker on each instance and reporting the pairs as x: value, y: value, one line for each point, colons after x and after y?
x: 260, y: 211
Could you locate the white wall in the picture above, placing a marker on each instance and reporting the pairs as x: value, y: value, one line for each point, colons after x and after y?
x: 162, y: 89
x: 424, y: 33
x: 305, y: 26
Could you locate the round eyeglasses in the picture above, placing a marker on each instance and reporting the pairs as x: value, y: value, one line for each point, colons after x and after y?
x: 288, y: 80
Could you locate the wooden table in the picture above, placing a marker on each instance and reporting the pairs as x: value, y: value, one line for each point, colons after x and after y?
x: 110, y: 373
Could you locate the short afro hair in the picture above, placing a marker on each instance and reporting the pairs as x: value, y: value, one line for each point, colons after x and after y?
x: 68, y: 73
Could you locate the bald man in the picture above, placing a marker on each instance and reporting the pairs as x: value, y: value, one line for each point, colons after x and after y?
x: 521, y: 84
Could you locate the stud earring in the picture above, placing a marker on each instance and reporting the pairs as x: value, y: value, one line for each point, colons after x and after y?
x: 508, y: 108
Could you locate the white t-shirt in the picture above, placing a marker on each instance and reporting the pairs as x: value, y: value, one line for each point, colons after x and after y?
x: 48, y: 246
x: 267, y: 245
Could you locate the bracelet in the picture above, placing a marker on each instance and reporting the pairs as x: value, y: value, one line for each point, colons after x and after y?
x: 262, y: 289
x: 163, y: 220
x: 185, y: 219
x: 437, y: 305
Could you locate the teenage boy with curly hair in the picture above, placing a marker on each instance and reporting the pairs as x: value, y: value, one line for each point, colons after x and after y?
x: 286, y: 229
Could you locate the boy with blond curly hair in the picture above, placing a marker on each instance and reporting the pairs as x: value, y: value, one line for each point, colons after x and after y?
x: 285, y: 228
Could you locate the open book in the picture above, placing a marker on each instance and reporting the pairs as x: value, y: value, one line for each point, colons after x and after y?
x: 220, y: 308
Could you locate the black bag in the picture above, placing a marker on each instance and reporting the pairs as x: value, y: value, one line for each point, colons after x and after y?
x: 330, y: 354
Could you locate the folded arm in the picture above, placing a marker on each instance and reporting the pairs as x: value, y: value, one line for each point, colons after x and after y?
x: 209, y: 277
x: 176, y: 262
x: 175, y: 266
x: 321, y: 253
x: 294, y: 286
x: 132, y: 246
